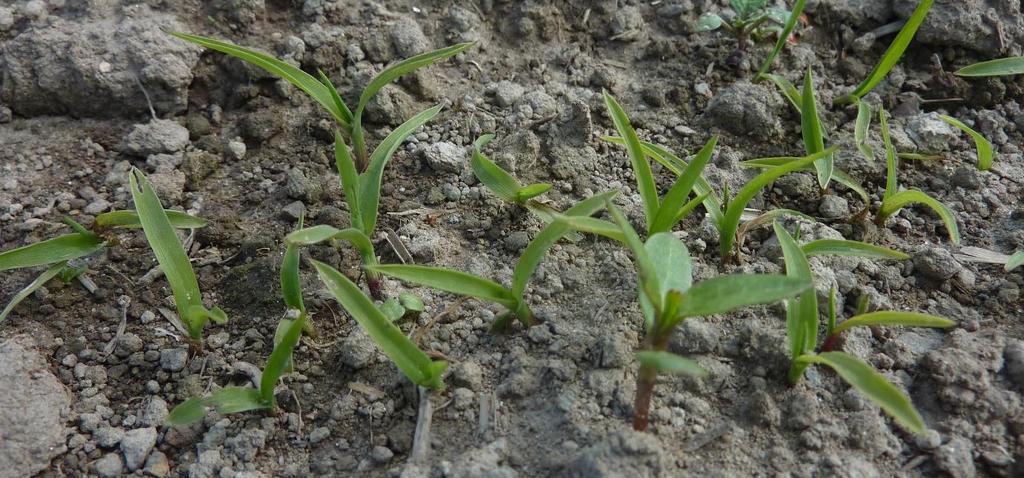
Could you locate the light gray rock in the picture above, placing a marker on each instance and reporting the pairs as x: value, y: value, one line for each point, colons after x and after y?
x: 357, y: 350
x: 832, y: 206
x: 107, y: 436
x: 505, y: 92
x: 408, y: 38
x: 746, y: 109
x: 969, y: 23
x: 623, y: 453
x: 109, y: 466
x: 136, y: 446
x: 173, y: 360
x: 32, y: 428
x: 445, y: 157
x: 937, y: 263
x: 930, y: 133
x: 158, y: 136
x: 956, y: 458
x: 153, y: 414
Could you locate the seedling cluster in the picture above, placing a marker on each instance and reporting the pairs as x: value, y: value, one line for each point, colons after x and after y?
x: 667, y: 293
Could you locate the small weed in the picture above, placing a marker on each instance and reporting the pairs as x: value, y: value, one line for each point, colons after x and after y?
x: 813, y: 132
x: 751, y: 19
x: 787, y: 29
x: 982, y: 145
x: 501, y: 182
x: 1013, y: 65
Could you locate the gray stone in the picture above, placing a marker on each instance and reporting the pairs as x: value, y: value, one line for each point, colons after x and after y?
x: 293, y: 211
x: 319, y: 434
x: 445, y: 157
x: 1014, y: 356
x: 833, y: 207
x: 746, y: 109
x: 32, y: 401
x: 109, y: 466
x: 614, y: 351
x: 107, y: 436
x: 695, y: 336
x: 88, y: 66
x: 136, y: 446
x: 381, y: 454
x: 956, y: 458
x: 623, y: 453
x: 153, y: 414
x: 207, y: 466
x: 157, y: 465
x: 967, y: 177
x: 358, y: 349
x: 158, y: 136
x: 506, y: 93
x: 930, y: 133
x: 467, y: 374
x: 235, y: 150
x: 969, y: 24
x: 408, y: 38
x: 936, y: 263
x: 169, y: 186
x: 173, y: 360
x: 627, y: 23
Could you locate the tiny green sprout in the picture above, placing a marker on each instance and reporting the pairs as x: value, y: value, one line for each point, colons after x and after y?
x: 780, y: 42
x: 984, y: 147
x: 661, y: 214
x: 514, y: 298
x: 413, y: 362
x: 323, y: 91
x: 501, y: 182
x: 171, y: 256
x: 802, y: 333
x: 324, y: 233
x: 891, y: 55
x: 242, y: 399
x: 668, y: 296
x: 1013, y: 65
x: 894, y: 200
x: 404, y: 307
x: 788, y: 90
x: 860, y: 130
x: 813, y: 132
x: 1015, y: 261
x: 752, y: 18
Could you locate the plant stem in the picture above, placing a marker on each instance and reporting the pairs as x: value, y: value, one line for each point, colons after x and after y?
x: 421, y: 437
x: 796, y: 372
x: 830, y: 343
x: 645, y: 382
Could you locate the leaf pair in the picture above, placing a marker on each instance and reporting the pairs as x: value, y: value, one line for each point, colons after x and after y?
x: 322, y: 91
x: 243, y: 399
x: 661, y: 214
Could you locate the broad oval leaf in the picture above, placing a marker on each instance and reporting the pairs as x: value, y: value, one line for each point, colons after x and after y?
x: 668, y: 362
x: 59, y: 249
x: 729, y: 292
x: 982, y: 145
x: 453, y: 281
x: 130, y: 219
x: 813, y: 133
x: 187, y: 412
x: 843, y: 247
x: 33, y: 286
x: 1013, y: 65
x: 897, y: 201
x: 673, y: 266
x: 403, y: 352
x: 873, y: 385
x: 708, y: 21
x: 893, y: 318
x: 641, y: 168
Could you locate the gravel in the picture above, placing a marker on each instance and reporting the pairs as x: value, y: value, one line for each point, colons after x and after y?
x: 136, y: 446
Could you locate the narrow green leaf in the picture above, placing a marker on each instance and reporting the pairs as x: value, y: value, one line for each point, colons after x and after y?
x: 168, y: 251
x: 1016, y: 260
x: 802, y: 310
x: 291, y: 289
x: 673, y: 266
x: 302, y: 80
x: 668, y: 362
x: 350, y: 184
x: 499, y: 181
x: 794, y: 16
x: 729, y: 292
x: 731, y: 219
x: 893, y: 318
x: 838, y: 175
x: 1013, y: 65
x: 187, y: 412
x: 641, y: 168
x: 342, y: 107
x: 593, y: 225
x: 891, y: 161
x: 919, y: 157
x: 814, y: 140
x: 403, y: 68
x: 668, y: 213
x: 130, y: 219
x: 842, y: 247
x: 59, y: 249
x: 897, y: 201
x: 370, y: 181
x: 323, y: 232
x: 280, y: 359
x: 531, y: 191
x: 648, y: 282
x: 450, y: 280
x: 860, y: 130
x: 235, y: 400
x: 983, y: 146
x: 403, y: 352
x: 34, y: 286
x: 891, y: 55
x: 788, y: 90
x: 873, y: 385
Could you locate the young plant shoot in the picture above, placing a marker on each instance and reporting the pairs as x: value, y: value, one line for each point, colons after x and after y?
x: 323, y: 91
x: 173, y: 259
x: 502, y: 183
x: 893, y: 200
x: 982, y: 145
x: 1009, y: 66
x: 787, y: 29
x: 813, y: 132
x: 751, y: 18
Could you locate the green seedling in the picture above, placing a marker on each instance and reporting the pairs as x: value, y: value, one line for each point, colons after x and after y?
x: 891, y: 55
x: 323, y: 91
x: 751, y: 19
x: 813, y: 133
x: 982, y: 145
x: 413, y: 362
x: 1015, y: 261
x: 171, y: 256
x: 242, y: 399
x: 661, y: 214
x: 838, y: 175
x: 668, y: 296
x: 788, y: 90
x: 501, y: 182
x: 802, y: 333
x: 787, y: 29
x: 404, y: 307
x: 513, y: 299
x: 893, y: 201
x: 66, y: 254
x: 1013, y: 65
x: 324, y: 233
x: 860, y: 130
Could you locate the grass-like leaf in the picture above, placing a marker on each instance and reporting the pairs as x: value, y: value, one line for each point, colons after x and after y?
x: 843, y: 247
x: 280, y: 359
x: 130, y: 220
x: 235, y: 400
x: 860, y: 130
x: 671, y: 210
x: 838, y: 175
x: 984, y: 147
x: 531, y: 191
x: 1015, y: 261
x: 730, y: 292
x: 641, y: 168
x: 648, y: 282
x: 187, y: 412
x: 788, y: 90
x: 171, y: 256
x: 291, y: 288
x: 873, y: 385
x: 802, y: 310
x: 350, y: 183
x: 787, y: 29
x: 450, y: 280
x: 33, y: 286
x: 499, y: 181
x: 893, y: 318
x: 668, y: 362
x: 59, y: 249
x: 1013, y: 65
x: 403, y: 352
x: 302, y: 80
x: 731, y: 219
x: 813, y: 133
x: 891, y: 55
x: 898, y: 201
x: 891, y: 160
x: 593, y: 225
x: 323, y: 232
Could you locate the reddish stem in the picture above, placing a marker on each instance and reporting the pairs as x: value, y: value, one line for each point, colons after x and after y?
x: 830, y: 343
x: 644, y: 391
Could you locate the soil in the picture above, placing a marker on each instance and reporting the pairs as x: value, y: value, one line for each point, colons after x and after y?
x: 554, y: 400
